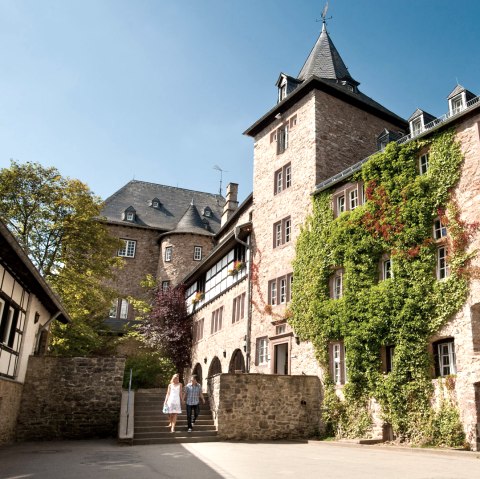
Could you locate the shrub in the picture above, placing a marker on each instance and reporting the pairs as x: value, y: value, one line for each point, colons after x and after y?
x: 149, y: 370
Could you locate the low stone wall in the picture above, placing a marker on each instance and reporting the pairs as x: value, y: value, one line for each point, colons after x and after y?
x: 10, y: 394
x: 70, y: 398
x: 266, y: 407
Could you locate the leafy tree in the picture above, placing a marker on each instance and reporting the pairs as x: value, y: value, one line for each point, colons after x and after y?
x: 55, y: 219
x: 168, y: 327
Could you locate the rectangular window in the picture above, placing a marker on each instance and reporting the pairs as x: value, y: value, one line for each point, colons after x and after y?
x: 113, y: 309
x: 340, y: 204
x: 197, y: 253
x: 416, y: 126
x: 282, y: 139
x: 262, y: 350
x: 457, y: 104
x: 337, y: 287
x: 280, y: 329
x: 439, y: 229
x: 442, y: 266
x: 353, y: 195
x: 283, y: 290
x: 128, y: 249
x: 282, y: 232
x: 389, y: 352
x: 445, y: 361
x: 216, y: 320
x: 168, y: 253
x: 165, y: 285
x: 338, y: 363
x: 198, y: 330
x: 123, y: 309
x: 387, y: 269
x: 7, y: 324
x: 280, y: 290
x: 238, y: 308
x: 423, y: 164
x: 283, y: 178
x: 273, y: 292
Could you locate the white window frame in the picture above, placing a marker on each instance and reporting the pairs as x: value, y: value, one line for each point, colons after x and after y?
x: 129, y: 248
x: 283, y: 290
x: 439, y: 229
x: 197, y: 253
x: 113, y: 309
x: 168, y: 254
x: 337, y: 286
x: 387, y: 269
x: 446, y: 358
x: 262, y: 350
x: 417, y: 126
x: 423, y: 164
x: 165, y: 285
x: 288, y: 176
x: 337, y: 363
x: 130, y: 216
x: 457, y: 104
x: 353, y: 198
x: 124, y: 307
x: 8, y: 327
x: 442, y: 265
x: 340, y: 204
x: 273, y: 292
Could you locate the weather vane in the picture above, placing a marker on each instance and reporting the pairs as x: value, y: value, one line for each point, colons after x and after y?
x: 324, y: 15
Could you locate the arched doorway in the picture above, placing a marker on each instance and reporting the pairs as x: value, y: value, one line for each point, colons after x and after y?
x: 215, y: 367
x: 197, y: 370
x: 237, y: 363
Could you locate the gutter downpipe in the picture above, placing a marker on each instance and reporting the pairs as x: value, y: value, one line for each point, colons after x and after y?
x: 249, y: 295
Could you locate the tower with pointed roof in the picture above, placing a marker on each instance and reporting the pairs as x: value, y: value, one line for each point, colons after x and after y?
x: 321, y: 124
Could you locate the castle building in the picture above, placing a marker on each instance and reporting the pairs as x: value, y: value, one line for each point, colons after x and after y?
x: 166, y: 232
x: 317, y: 138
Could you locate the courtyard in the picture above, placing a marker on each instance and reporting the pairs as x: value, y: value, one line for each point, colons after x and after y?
x: 105, y: 459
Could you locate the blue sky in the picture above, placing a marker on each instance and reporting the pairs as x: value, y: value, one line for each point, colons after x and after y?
x: 161, y: 91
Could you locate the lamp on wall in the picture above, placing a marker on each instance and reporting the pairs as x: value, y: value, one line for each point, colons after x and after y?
x: 205, y: 360
x: 297, y: 340
x: 224, y: 354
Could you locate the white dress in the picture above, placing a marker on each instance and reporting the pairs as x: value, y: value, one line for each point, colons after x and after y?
x: 173, y: 402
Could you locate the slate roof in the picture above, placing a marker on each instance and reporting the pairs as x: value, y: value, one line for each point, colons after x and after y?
x: 459, y: 89
x: 174, y: 203
x: 427, y: 117
x: 192, y: 222
x: 325, y: 62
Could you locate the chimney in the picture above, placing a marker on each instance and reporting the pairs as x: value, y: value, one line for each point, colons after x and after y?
x: 231, y: 203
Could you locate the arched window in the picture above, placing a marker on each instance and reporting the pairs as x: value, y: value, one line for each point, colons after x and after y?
x: 237, y: 363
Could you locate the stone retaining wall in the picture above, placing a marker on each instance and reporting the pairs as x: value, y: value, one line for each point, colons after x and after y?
x: 266, y: 407
x: 10, y: 394
x: 70, y: 398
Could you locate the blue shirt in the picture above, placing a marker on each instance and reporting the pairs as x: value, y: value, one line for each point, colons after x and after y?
x: 193, y: 394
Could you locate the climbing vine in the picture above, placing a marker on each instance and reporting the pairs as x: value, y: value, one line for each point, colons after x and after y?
x: 404, y: 310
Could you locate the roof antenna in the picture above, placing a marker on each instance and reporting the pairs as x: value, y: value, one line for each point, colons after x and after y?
x: 324, y: 15
x: 216, y: 167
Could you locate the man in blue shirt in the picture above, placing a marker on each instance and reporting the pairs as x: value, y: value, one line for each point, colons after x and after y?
x: 192, y: 393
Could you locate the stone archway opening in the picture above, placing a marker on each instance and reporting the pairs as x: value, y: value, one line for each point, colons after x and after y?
x: 197, y: 370
x: 215, y: 367
x: 237, y: 362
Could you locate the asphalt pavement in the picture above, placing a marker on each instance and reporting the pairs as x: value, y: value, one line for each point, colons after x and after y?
x: 105, y: 459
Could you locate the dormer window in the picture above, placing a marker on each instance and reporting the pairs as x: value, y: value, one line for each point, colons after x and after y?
x: 129, y: 214
x: 416, y: 127
x: 155, y: 203
x: 456, y: 104
x: 207, y: 212
x: 420, y: 121
x: 286, y: 84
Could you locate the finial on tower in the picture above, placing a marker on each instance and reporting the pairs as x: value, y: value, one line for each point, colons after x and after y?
x: 324, y: 17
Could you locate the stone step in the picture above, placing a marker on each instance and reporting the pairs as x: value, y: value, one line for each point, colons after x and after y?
x: 153, y: 416
x: 146, y: 422
x: 187, y: 438
x: 165, y: 428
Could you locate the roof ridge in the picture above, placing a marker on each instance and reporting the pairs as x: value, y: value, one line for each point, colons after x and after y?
x: 174, y: 187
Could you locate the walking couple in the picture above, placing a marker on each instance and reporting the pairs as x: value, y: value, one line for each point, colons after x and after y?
x: 177, y: 395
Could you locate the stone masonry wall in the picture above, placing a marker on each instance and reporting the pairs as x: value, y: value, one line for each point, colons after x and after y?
x: 10, y: 394
x: 70, y: 398
x: 266, y: 407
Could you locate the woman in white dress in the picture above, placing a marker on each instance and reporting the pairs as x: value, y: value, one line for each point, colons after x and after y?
x: 173, y: 400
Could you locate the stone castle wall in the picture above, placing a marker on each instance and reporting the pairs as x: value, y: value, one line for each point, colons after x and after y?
x: 70, y: 398
x: 266, y: 407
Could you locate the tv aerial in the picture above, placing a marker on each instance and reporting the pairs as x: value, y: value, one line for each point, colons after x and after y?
x: 216, y: 167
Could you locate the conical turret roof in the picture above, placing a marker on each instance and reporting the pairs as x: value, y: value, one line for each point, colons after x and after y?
x: 191, y: 222
x: 325, y: 62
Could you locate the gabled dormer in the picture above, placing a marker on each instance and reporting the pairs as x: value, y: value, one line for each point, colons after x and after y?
x: 155, y: 203
x: 130, y: 214
x: 207, y: 212
x: 386, y: 136
x: 286, y: 84
x: 418, y: 121
x: 457, y: 100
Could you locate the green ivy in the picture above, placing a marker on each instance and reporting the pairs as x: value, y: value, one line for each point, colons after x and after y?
x: 403, y: 311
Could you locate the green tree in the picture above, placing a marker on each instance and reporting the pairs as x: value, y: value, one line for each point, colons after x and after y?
x: 55, y: 219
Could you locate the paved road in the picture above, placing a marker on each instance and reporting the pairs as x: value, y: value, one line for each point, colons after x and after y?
x: 104, y: 459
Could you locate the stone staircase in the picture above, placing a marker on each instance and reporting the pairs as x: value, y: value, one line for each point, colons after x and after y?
x: 151, y: 425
